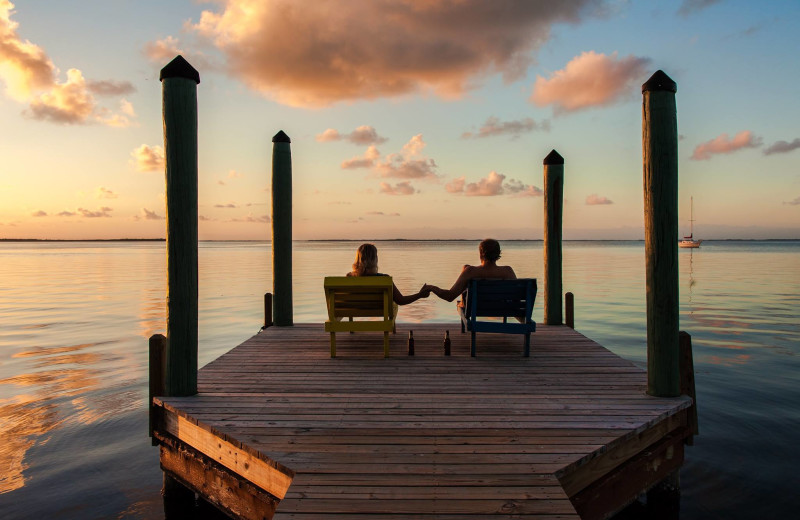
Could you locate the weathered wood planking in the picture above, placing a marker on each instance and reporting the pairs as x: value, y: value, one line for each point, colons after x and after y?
x: 499, y: 435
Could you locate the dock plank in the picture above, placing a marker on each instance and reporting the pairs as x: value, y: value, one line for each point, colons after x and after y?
x: 429, y: 436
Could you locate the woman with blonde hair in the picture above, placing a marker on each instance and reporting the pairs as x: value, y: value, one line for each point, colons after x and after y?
x: 366, y: 264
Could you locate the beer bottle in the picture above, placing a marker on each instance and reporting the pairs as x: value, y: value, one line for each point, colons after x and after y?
x: 410, y: 342
x: 447, y: 343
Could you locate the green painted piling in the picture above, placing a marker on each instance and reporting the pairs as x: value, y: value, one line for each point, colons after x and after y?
x: 553, y: 215
x: 179, y: 90
x: 660, y: 176
x: 282, y: 310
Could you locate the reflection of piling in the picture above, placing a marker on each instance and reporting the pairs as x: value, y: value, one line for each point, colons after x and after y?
x: 553, y: 212
x: 179, y: 89
x: 282, y: 230
x: 660, y: 173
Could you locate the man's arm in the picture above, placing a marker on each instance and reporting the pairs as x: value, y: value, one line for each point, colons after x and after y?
x: 458, y: 287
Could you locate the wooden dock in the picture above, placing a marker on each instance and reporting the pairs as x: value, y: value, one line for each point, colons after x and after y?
x: 281, y: 430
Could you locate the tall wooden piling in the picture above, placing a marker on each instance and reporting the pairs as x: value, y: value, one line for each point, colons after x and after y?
x: 179, y: 90
x: 283, y: 314
x: 660, y: 175
x: 553, y: 214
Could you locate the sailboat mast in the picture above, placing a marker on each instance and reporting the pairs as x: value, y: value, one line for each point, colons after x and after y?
x: 691, y: 217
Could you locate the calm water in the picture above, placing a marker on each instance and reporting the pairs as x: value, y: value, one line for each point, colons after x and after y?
x: 75, y: 318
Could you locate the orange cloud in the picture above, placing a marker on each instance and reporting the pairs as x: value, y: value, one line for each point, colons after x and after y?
x: 31, y: 77
x: 724, y: 144
x: 363, y: 135
x: 590, y: 80
x: 494, y: 127
x: 410, y: 163
x: 366, y: 161
x: 148, y: 158
x: 596, y: 200
x: 401, y: 188
x: 492, y: 185
x: 146, y: 214
x: 315, y: 55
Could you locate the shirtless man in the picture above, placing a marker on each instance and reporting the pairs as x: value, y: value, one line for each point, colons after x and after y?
x: 489, y: 250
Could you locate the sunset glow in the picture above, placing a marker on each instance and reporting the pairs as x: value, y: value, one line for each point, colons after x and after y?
x: 408, y: 119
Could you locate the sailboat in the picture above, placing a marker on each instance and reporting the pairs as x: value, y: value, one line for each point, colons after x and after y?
x: 689, y: 241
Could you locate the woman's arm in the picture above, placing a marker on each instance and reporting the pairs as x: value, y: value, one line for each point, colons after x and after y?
x: 399, y: 299
x: 458, y: 287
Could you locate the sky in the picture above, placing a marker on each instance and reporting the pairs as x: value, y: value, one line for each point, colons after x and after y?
x: 414, y: 119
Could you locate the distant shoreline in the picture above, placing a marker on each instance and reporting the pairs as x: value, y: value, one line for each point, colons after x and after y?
x: 391, y: 240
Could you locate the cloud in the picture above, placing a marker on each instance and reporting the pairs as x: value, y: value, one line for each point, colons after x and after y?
x: 39, y: 213
x: 110, y: 88
x: 401, y: 188
x: 363, y: 135
x: 410, y: 163
x: 103, y: 212
x: 382, y: 214
x: 146, y: 214
x: 596, y: 200
x: 165, y: 50
x: 494, y: 127
x: 365, y: 161
x: 689, y: 7
x: 148, y: 158
x: 68, y: 102
x: 229, y: 205
x: 250, y: 219
x: 795, y: 202
x: 782, y: 147
x: 723, y: 144
x: 456, y: 185
x: 591, y: 80
x: 31, y: 77
x: 105, y: 193
x: 492, y: 185
x: 304, y: 55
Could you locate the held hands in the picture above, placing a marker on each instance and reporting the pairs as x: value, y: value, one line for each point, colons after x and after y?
x: 425, y: 291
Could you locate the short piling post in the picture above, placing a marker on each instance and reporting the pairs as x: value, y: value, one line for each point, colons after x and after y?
x: 553, y: 213
x: 687, y: 384
x: 158, y: 362
x: 282, y: 230
x: 569, y: 310
x: 660, y: 176
x: 179, y: 89
x: 267, y: 311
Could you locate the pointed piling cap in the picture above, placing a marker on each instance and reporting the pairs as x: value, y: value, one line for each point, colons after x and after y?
x: 281, y: 137
x: 553, y: 158
x: 659, y: 82
x: 179, y: 68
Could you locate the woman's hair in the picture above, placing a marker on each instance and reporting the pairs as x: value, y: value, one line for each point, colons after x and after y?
x: 366, y: 260
x: 489, y: 249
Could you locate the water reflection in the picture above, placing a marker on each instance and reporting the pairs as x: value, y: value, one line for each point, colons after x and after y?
x: 75, y: 318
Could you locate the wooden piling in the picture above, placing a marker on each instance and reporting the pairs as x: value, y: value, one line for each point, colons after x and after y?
x: 569, y: 308
x: 179, y: 89
x: 553, y: 213
x: 158, y: 363
x: 267, y: 311
x: 687, y: 384
x: 282, y: 230
x: 660, y: 175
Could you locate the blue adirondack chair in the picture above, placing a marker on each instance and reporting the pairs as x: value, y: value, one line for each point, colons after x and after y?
x: 500, y: 299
